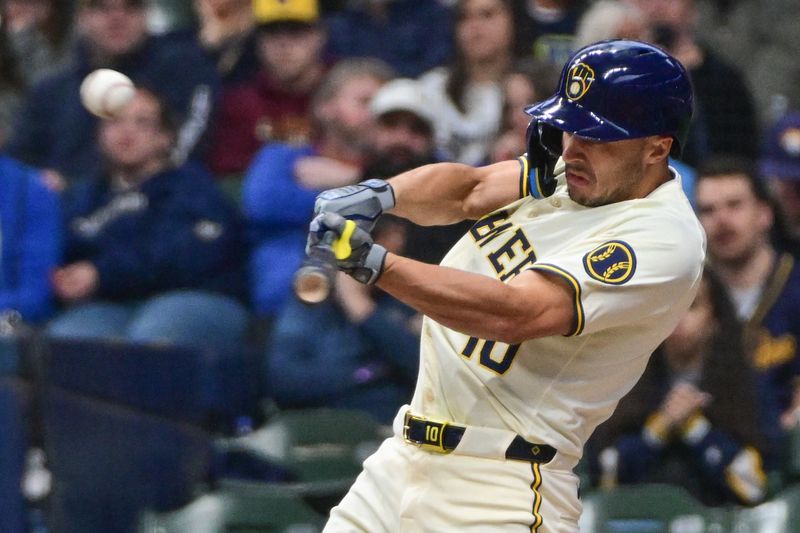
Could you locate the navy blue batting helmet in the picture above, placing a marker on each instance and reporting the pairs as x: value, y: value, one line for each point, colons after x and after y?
x: 615, y: 90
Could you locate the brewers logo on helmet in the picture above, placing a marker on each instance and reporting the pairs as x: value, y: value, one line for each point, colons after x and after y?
x: 580, y: 79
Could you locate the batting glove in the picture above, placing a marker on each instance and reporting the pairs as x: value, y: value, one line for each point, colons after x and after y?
x: 544, y: 148
x: 362, y: 203
x: 355, y: 252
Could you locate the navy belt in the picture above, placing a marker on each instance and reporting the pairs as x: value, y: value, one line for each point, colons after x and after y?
x: 442, y: 437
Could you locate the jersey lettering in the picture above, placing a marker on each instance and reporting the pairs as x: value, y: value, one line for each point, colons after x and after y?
x: 488, y: 228
x: 516, y: 245
x: 519, y: 267
x: 774, y: 351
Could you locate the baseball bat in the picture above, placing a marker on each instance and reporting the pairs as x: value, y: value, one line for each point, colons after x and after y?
x: 315, y: 279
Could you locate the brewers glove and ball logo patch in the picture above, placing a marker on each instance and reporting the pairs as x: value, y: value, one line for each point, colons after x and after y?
x: 613, y: 262
x: 579, y: 79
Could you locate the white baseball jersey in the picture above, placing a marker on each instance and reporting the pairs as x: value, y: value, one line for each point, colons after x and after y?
x: 634, y: 268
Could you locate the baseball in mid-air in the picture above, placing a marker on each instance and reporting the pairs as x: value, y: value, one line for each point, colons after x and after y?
x: 104, y: 92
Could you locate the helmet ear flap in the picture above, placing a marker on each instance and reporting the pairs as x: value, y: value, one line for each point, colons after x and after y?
x: 542, y: 158
x: 550, y: 139
x: 541, y: 136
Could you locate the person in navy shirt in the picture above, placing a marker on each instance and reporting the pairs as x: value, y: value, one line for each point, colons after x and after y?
x: 154, y: 252
x: 54, y: 131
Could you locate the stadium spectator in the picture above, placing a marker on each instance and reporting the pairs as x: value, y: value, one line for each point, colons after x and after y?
x: 154, y: 253
x: 280, y: 186
x: 40, y: 33
x: 413, y: 36
x: 12, y: 86
x: 13, y: 445
x: 611, y: 19
x: 528, y: 82
x: 402, y: 139
x: 763, y: 281
x: 274, y: 105
x: 724, y: 121
x: 467, y: 95
x: 55, y: 132
x: 779, y: 163
x: 546, y: 29
x: 682, y: 424
x: 363, y: 354
x: 31, y: 245
x: 227, y: 33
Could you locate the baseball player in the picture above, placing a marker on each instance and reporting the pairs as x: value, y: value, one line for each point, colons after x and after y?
x: 584, y: 256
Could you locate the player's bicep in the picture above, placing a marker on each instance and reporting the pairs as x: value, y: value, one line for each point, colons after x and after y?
x: 550, y: 301
x: 496, y: 185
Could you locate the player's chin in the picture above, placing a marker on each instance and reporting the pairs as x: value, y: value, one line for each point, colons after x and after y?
x: 580, y: 194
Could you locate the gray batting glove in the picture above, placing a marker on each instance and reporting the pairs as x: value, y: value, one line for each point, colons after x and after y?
x: 362, y: 203
x: 354, y: 249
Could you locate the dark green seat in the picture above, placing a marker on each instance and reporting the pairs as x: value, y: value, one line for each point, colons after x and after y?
x: 780, y: 514
x: 316, y: 444
x: 649, y: 508
x: 239, y: 507
x: 324, y: 449
x: 791, y: 468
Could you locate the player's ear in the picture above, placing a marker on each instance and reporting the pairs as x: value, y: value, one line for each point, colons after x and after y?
x: 658, y: 148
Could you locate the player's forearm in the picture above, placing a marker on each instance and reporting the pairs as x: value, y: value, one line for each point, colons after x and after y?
x: 446, y: 193
x: 470, y: 303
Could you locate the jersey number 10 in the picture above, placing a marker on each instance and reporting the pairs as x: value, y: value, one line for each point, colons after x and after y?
x: 487, y: 348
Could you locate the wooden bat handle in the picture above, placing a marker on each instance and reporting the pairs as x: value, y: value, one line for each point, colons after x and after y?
x: 315, y: 279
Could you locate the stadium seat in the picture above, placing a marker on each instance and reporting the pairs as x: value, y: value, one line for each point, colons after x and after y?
x: 12, y: 455
x: 206, y: 514
x: 792, y: 465
x: 262, y: 508
x: 9, y: 357
x: 172, y: 382
x: 649, y: 508
x: 110, y: 462
x: 317, y: 444
x: 322, y: 448
x: 780, y: 514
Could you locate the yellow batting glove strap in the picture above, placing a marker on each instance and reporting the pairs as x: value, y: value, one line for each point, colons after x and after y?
x: 341, y: 246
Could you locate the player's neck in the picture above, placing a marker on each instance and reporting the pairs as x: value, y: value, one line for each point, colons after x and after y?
x: 748, y: 272
x: 654, y: 177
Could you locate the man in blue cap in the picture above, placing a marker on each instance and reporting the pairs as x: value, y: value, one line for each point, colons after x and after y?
x: 779, y: 163
x: 584, y: 256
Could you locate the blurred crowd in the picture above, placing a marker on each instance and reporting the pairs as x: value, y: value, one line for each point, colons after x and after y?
x: 183, y: 218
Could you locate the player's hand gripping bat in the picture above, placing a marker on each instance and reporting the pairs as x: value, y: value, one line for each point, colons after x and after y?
x: 359, y: 207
